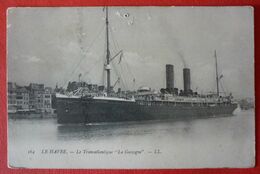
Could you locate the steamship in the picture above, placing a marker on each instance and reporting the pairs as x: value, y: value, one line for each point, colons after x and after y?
x: 105, y: 105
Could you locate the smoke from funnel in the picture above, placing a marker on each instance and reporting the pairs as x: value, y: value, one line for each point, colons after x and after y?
x: 172, y: 40
x: 182, y: 59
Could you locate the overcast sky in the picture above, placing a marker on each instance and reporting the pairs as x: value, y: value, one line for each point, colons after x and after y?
x: 54, y: 45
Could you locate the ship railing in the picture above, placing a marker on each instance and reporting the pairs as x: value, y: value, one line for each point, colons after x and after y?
x: 193, y: 101
x: 175, y: 103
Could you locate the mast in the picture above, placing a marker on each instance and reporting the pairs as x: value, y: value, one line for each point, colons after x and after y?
x: 107, y: 53
x: 217, y: 78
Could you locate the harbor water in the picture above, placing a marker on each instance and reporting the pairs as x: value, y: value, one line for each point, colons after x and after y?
x: 200, y: 143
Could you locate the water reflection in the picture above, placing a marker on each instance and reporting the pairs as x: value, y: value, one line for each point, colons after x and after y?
x: 108, y: 130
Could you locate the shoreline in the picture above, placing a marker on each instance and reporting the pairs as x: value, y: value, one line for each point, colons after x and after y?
x: 29, y: 116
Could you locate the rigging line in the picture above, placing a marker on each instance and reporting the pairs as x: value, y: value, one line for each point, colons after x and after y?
x: 117, y: 48
x: 91, y: 44
x: 94, y: 65
x: 84, y: 52
x: 112, y: 36
x: 225, y: 89
x: 113, y: 50
x: 125, y: 84
x: 119, y: 75
x: 80, y: 28
x: 116, y: 45
x: 115, y: 70
x: 124, y: 74
x: 221, y: 85
x: 129, y: 69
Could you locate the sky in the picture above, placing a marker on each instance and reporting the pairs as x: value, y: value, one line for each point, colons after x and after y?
x: 55, y: 45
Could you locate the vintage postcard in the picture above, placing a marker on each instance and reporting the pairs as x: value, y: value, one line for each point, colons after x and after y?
x: 131, y: 87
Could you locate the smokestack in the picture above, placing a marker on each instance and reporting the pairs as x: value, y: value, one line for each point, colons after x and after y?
x: 186, y: 80
x: 169, y: 77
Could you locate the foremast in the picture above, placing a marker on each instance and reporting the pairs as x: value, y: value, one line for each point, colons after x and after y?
x: 107, y: 66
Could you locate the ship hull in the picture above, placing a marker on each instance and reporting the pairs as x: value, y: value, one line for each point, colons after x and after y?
x: 79, y: 110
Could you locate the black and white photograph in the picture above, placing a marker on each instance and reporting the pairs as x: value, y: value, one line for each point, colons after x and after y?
x: 130, y: 87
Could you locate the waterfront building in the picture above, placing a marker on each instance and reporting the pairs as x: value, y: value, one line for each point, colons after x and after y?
x: 47, y: 100
x: 34, y: 97
x: 22, y: 98
x: 11, y: 94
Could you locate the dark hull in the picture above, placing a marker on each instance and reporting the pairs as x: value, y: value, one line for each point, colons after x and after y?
x: 78, y: 110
